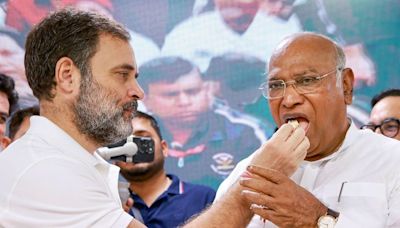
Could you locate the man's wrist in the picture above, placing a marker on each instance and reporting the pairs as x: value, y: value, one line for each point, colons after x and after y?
x: 328, y: 219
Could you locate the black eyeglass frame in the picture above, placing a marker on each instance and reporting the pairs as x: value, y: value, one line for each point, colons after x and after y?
x: 384, y: 130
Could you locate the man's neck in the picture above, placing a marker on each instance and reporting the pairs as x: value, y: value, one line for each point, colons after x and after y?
x: 149, y: 190
x: 336, y: 143
x: 63, y: 118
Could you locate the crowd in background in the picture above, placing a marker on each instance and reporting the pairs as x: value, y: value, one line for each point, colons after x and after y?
x: 199, y: 77
x: 229, y: 42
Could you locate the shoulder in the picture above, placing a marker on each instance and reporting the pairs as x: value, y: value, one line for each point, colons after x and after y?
x: 199, y: 189
x: 372, y: 152
x: 236, y: 121
x: 372, y: 141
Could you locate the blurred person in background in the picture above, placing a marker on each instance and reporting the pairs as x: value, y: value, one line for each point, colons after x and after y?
x: 385, y: 114
x: 144, y: 48
x: 234, y: 26
x: 160, y: 199
x: 233, y: 78
x: 8, y: 103
x: 20, y: 122
x: 205, y: 142
x: 12, y: 61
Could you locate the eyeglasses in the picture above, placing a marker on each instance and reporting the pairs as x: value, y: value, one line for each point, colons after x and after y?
x: 389, y: 127
x: 275, y: 89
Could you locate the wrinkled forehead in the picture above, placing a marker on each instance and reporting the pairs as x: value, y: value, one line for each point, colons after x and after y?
x: 303, y: 54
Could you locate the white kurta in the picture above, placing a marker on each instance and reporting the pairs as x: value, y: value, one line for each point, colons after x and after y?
x: 205, y: 36
x: 368, y: 167
x: 49, y: 180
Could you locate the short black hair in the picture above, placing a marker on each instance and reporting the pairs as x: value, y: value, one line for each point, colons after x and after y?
x: 386, y: 93
x: 18, y: 117
x: 7, y: 86
x: 65, y: 33
x: 153, y: 121
x: 164, y: 69
x: 236, y: 71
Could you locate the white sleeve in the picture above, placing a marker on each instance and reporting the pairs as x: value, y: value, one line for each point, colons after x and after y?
x: 233, y: 177
x: 57, y: 192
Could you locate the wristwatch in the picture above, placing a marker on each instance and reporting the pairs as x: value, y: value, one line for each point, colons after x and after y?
x: 328, y: 220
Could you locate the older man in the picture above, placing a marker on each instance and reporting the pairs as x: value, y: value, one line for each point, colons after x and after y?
x: 385, y: 114
x: 82, y: 69
x: 350, y: 178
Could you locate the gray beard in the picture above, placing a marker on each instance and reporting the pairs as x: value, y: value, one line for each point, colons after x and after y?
x: 97, y: 115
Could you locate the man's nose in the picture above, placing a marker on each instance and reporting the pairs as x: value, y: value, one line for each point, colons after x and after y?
x: 378, y: 130
x: 135, y: 90
x: 183, y: 99
x: 291, y: 96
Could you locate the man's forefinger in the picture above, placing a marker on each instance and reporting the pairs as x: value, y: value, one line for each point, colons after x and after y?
x: 269, y: 174
x: 283, y: 133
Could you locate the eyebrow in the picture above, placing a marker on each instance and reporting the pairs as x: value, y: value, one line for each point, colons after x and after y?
x: 141, y: 132
x: 302, y: 73
x: 124, y: 66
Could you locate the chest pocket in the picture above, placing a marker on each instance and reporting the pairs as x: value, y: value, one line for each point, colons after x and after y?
x: 364, y: 203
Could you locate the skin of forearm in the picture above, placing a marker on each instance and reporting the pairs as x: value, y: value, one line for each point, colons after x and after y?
x: 230, y: 211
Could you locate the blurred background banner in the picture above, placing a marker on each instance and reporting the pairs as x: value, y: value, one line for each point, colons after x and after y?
x: 202, y: 61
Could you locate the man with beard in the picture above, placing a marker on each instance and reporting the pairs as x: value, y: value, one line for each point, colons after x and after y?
x: 160, y: 199
x: 82, y: 69
x: 205, y: 142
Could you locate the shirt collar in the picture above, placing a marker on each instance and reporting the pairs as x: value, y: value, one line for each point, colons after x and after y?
x: 53, y: 135
x: 176, y: 186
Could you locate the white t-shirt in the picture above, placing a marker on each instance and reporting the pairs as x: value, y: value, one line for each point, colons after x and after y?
x: 368, y: 166
x: 203, y: 37
x: 49, y: 180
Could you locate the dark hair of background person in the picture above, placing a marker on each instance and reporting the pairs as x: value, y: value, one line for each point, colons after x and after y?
x: 163, y: 69
x: 236, y: 71
x: 65, y: 33
x: 18, y: 117
x: 7, y: 86
x: 153, y: 121
x: 386, y: 93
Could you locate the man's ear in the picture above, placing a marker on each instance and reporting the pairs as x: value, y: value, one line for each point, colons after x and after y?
x: 67, y: 76
x: 164, y: 148
x: 348, y: 83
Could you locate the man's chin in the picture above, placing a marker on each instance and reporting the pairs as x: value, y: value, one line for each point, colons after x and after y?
x: 136, y: 175
x: 127, y: 116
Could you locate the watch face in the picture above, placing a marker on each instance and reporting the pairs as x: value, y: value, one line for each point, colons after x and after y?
x: 326, y: 221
